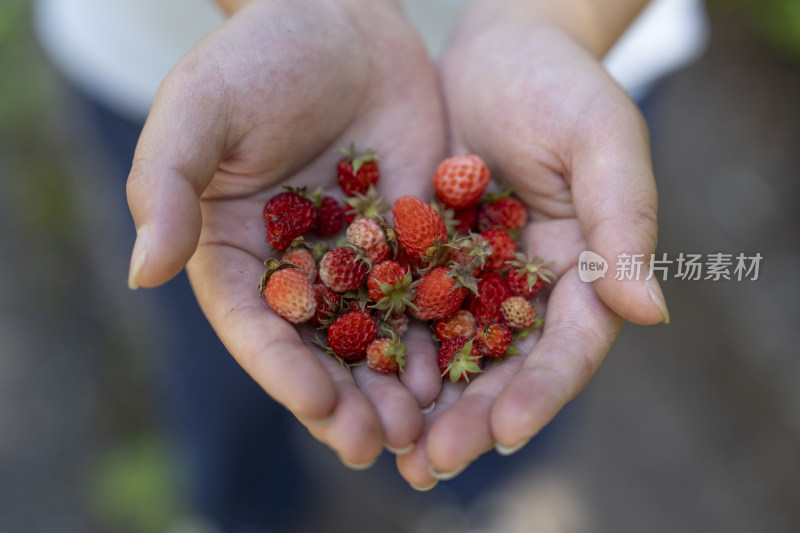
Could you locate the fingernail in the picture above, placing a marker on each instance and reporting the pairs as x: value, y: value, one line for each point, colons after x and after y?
x: 657, y: 297
x: 425, y: 489
x: 510, y: 450
x: 352, y: 466
x: 400, y: 451
x: 444, y: 476
x: 426, y: 410
x: 138, y: 256
x: 314, y: 421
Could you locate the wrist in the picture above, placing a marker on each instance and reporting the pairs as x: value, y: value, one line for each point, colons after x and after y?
x: 594, y: 24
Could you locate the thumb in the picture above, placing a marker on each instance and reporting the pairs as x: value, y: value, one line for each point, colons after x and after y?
x: 616, y: 203
x: 176, y: 157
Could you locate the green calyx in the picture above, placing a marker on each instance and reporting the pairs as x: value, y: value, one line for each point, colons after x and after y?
x: 357, y: 159
x: 463, y: 277
x: 273, y: 265
x: 463, y: 364
x: 397, y: 296
x: 397, y: 351
x: 533, y: 267
x: 368, y: 205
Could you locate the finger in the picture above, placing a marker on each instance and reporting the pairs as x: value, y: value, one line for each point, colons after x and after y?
x: 462, y: 433
x: 616, y: 202
x: 224, y: 280
x: 421, y: 376
x: 354, y: 429
x: 415, y: 466
x: 578, y: 333
x: 397, y: 409
x: 178, y: 152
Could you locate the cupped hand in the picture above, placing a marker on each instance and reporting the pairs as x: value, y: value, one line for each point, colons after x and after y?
x: 263, y: 102
x: 553, y: 125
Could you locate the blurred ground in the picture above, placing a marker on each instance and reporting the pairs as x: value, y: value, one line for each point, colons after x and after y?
x: 693, y: 426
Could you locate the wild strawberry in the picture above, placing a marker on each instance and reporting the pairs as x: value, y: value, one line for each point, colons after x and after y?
x: 503, y: 247
x: 457, y: 360
x: 390, y: 285
x: 441, y: 291
x: 350, y: 334
x: 518, y: 313
x: 357, y: 171
x: 472, y: 252
x: 343, y: 269
x: 527, y: 275
x: 418, y: 226
x: 288, y: 292
x: 492, y: 292
x: 460, y: 180
x: 328, y: 303
x: 493, y: 340
x: 502, y: 211
x: 466, y: 219
x: 288, y: 215
x: 414, y: 264
x: 398, y: 323
x: 386, y: 355
x: 368, y: 205
x: 302, y: 258
x: 330, y: 215
x: 459, y: 324
x: 367, y: 235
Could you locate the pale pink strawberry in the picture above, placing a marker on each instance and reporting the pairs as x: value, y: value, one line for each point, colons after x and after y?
x: 303, y: 259
x: 288, y: 292
x: 459, y: 324
x: 367, y: 234
x: 518, y: 313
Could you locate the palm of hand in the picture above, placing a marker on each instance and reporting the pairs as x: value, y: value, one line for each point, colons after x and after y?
x: 552, y: 125
x: 253, y: 129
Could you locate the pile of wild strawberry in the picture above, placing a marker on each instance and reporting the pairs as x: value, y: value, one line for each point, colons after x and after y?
x: 454, y: 264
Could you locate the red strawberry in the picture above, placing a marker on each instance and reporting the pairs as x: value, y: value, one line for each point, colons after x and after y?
x: 457, y: 360
x: 472, y: 252
x: 418, y: 226
x: 330, y: 215
x: 527, y: 275
x: 288, y: 215
x: 493, y: 340
x: 302, y: 258
x: 502, y: 211
x: 459, y: 324
x: 367, y: 235
x: 518, y: 313
x: 288, y: 292
x: 503, y: 247
x: 386, y: 355
x: 441, y: 291
x: 466, y: 219
x: 492, y: 292
x: 350, y: 334
x: 390, y: 285
x: 343, y: 269
x: 357, y: 171
x: 328, y: 303
x: 460, y: 180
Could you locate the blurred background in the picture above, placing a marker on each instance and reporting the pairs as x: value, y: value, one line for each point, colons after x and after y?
x: 694, y: 426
